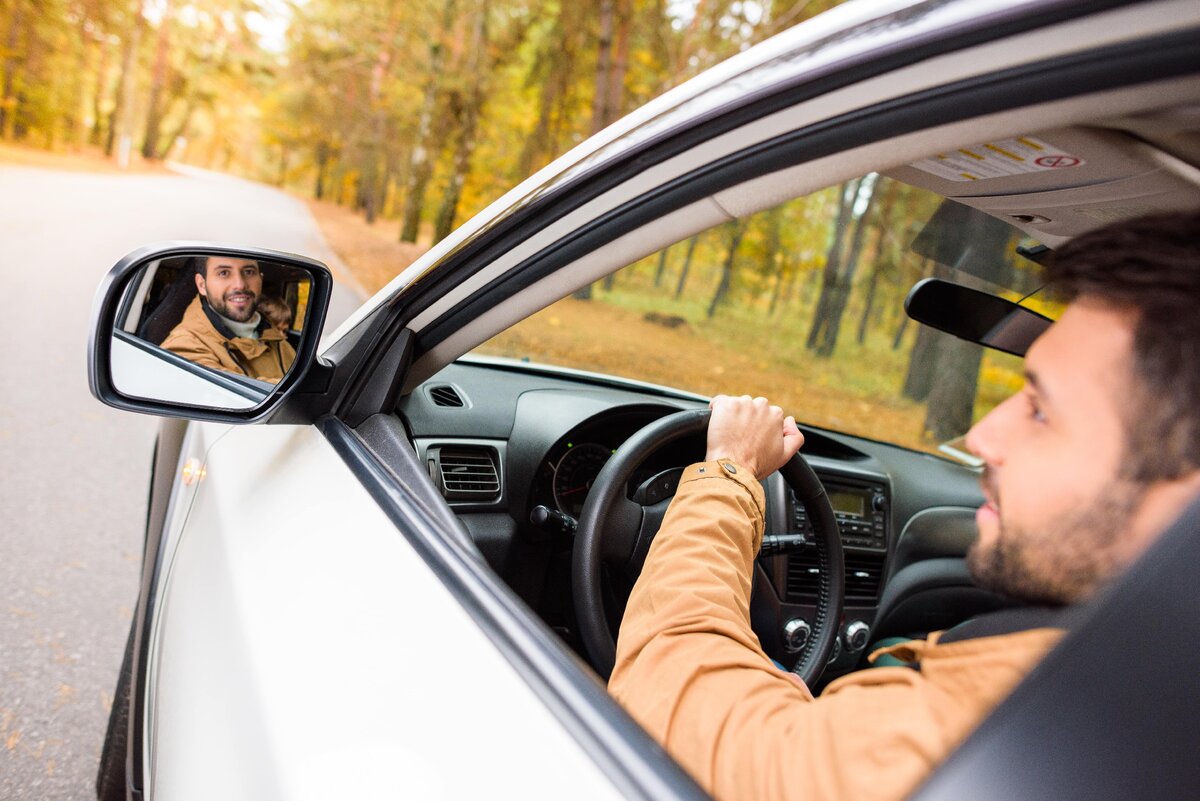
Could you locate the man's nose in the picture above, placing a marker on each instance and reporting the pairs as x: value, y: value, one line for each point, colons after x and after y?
x: 980, y: 440
x: 973, y: 440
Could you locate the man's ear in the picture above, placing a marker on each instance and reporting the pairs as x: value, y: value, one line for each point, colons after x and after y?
x: 200, y: 287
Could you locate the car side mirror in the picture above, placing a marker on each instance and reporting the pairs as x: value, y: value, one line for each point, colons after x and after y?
x: 975, y: 316
x: 206, y: 331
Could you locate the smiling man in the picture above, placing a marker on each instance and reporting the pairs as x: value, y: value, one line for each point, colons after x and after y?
x: 222, y: 328
x: 1084, y: 468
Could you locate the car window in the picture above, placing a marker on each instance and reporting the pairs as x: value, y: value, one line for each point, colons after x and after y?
x: 803, y: 303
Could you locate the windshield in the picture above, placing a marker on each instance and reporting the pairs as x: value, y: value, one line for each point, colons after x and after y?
x: 803, y: 303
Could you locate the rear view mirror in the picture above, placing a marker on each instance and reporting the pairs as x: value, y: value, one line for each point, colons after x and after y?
x: 975, y: 316
x: 205, y: 331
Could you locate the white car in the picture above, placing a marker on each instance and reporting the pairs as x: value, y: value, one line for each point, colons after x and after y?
x: 404, y: 580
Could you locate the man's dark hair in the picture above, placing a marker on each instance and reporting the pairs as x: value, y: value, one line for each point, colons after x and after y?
x: 1151, y: 266
x: 200, y: 265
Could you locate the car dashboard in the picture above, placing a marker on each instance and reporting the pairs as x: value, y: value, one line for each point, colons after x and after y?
x: 505, y: 442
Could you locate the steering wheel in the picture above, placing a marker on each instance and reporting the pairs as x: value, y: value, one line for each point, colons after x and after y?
x: 617, y: 532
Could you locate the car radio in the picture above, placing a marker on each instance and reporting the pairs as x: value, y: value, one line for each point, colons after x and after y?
x: 860, y: 511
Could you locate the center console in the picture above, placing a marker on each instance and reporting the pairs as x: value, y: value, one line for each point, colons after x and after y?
x: 861, y: 504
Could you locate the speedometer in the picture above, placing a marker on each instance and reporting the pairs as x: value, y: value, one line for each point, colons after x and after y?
x: 574, y: 474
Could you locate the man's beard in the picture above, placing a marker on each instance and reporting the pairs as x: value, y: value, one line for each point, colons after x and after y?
x: 1066, y: 557
x: 221, y: 307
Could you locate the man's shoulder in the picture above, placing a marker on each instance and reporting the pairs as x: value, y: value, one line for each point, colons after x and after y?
x: 188, y: 340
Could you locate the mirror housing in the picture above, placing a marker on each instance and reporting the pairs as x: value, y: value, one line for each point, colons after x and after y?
x: 135, y: 361
x: 975, y: 316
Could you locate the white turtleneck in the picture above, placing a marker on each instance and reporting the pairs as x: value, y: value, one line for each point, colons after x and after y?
x: 248, y: 329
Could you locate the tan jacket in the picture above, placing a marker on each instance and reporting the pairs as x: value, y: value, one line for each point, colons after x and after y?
x: 692, y: 672
x: 195, y: 339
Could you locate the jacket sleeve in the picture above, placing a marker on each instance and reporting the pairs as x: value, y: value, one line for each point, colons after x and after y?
x: 691, y: 671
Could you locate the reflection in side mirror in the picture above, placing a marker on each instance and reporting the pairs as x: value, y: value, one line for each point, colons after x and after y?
x: 975, y: 316
x: 205, y: 328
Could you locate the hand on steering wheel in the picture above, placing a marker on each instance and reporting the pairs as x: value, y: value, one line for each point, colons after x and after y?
x: 752, y: 433
x: 616, y: 531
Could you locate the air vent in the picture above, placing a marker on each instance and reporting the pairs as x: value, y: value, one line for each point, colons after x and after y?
x: 803, y: 571
x: 468, y: 473
x: 446, y: 395
x: 863, y: 575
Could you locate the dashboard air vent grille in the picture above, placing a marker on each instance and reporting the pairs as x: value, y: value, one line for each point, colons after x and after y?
x: 802, y: 572
x: 468, y: 473
x: 863, y: 575
x: 446, y: 395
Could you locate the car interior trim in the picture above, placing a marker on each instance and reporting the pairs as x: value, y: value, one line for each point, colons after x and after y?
x: 636, y: 764
x: 933, y: 533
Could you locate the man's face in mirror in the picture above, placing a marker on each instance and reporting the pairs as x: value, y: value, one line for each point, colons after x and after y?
x: 231, y: 286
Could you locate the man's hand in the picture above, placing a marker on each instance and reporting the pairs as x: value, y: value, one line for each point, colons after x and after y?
x: 752, y: 433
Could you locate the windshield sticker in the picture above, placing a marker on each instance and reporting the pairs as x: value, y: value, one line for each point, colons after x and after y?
x: 998, y: 159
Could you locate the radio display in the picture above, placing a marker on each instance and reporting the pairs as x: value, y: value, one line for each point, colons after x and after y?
x: 848, y: 503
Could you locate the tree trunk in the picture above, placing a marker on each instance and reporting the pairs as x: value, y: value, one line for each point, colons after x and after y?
x: 471, y: 111
x: 372, y: 186
x: 845, y: 281
x: 783, y: 283
x: 873, y: 282
x: 539, y: 139
x: 601, y: 105
x: 918, y: 381
x: 421, y: 163
x: 322, y: 167
x: 11, y: 66
x: 687, y: 265
x: 157, y: 82
x: 620, y: 63
x: 120, y: 122
x: 833, y: 259
x: 738, y: 229
x: 661, y: 269
x: 97, y: 134
x: 79, y: 126
x: 181, y: 129
x: 952, y: 399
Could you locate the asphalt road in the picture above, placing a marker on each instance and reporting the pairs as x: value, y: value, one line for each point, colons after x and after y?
x: 73, y: 473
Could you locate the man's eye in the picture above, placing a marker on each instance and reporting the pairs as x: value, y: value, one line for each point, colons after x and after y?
x: 1035, y: 411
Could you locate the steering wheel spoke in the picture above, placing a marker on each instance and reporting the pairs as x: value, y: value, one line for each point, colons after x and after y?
x: 622, y: 531
x: 652, y: 519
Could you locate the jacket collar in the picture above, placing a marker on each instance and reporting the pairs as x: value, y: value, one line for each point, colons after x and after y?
x: 219, y: 324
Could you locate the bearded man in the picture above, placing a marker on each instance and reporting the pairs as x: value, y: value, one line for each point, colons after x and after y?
x: 1084, y: 468
x: 222, y: 329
